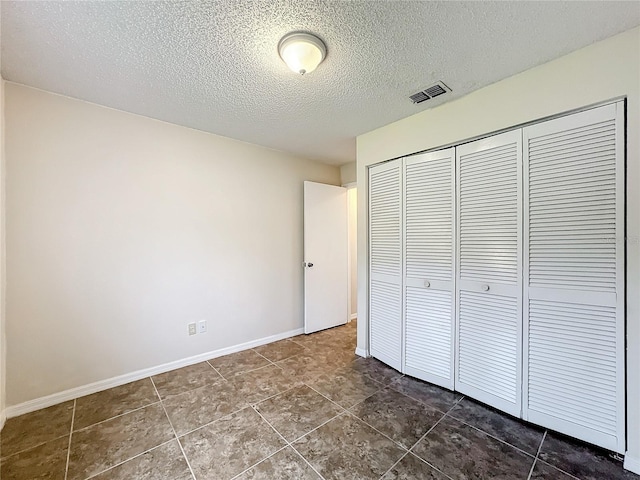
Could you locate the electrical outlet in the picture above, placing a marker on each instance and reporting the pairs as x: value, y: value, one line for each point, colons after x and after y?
x: 202, y: 326
x: 192, y: 329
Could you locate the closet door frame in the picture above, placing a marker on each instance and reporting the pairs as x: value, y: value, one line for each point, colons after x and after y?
x: 594, y: 114
x: 438, y: 284
x: 486, y: 143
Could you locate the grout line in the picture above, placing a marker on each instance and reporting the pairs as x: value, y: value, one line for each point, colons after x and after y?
x: 381, y: 433
x: 214, y: 421
x: 535, y: 460
x: 342, y: 411
x: 238, y: 374
x: 81, y: 429
x: 73, y: 417
x: 155, y: 389
x: 117, y: 416
x: 211, y: 365
x: 409, y: 450
x: 214, y: 369
x: 556, y: 468
x: 487, y: 434
x: 272, y: 427
x: 276, y: 394
x: 423, y: 437
x: 289, y: 444
x: 2, y: 459
x: 382, y: 387
x: 194, y: 389
x: 544, y: 437
x: 430, y: 465
x: 430, y: 430
x: 267, y: 359
x: 276, y: 364
x: 421, y: 402
x: 399, y: 460
x: 332, y: 401
x: 174, y: 432
x: 307, y: 462
x: 258, y: 463
x: 533, y: 465
x: 299, y: 344
x: 319, y: 426
x: 129, y: 459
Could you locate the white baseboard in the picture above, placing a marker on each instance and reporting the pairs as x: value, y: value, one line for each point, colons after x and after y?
x: 632, y: 464
x: 362, y: 352
x: 353, y: 316
x: 3, y: 418
x: 55, y: 398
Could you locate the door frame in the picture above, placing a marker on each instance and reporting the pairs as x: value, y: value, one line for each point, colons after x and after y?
x: 350, y: 186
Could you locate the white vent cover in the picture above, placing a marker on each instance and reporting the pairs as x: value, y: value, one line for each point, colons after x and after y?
x: 430, y: 92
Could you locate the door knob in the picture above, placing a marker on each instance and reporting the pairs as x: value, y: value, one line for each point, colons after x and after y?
x: 485, y: 288
x: 309, y: 264
x: 427, y: 283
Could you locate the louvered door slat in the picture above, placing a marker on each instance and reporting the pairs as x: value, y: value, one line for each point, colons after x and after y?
x: 428, y: 332
x: 574, y: 279
x: 489, y: 315
x: 429, y: 261
x: 385, y: 263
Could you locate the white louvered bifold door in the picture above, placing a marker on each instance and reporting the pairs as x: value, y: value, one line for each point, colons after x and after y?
x: 385, y: 263
x: 489, y: 286
x: 574, y: 275
x: 429, y: 266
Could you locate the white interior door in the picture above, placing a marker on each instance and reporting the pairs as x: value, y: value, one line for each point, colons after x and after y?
x: 489, y: 287
x: 326, y: 243
x: 574, y: 275
x: 429, y: 214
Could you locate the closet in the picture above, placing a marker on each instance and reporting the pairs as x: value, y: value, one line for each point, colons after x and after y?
x: 497, y: 270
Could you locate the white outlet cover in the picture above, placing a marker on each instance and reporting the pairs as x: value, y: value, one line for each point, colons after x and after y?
x: 202, y: 326
x: 192, y: 329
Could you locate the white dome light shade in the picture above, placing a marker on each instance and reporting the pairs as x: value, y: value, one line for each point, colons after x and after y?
x: 302, y: 52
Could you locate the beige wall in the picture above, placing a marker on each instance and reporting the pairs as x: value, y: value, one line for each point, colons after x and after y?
x: 121, y: 230
x: 600, y: 72
x: 348, y: 173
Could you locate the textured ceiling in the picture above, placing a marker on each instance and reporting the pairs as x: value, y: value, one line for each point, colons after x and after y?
x: 214, y: 66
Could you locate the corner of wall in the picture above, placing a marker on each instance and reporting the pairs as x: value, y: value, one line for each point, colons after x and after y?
x: 348, y: 173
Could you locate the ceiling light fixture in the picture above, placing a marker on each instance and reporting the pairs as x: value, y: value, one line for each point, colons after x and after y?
x: 302, y: 52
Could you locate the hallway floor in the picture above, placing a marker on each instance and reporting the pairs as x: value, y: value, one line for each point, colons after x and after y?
x: 301, y: 408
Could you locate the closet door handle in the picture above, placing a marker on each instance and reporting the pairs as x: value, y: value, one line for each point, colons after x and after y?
x: 427, y: 283
x: 485, y: 288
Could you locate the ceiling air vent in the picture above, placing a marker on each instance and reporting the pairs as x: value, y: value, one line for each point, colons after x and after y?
x: 429, y: 93
x: 419, y: 97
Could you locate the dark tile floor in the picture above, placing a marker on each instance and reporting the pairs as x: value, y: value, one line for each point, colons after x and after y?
x: 303, y: 408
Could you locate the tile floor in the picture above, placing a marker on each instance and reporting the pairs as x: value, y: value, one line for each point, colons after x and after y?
x: 302, y: 408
